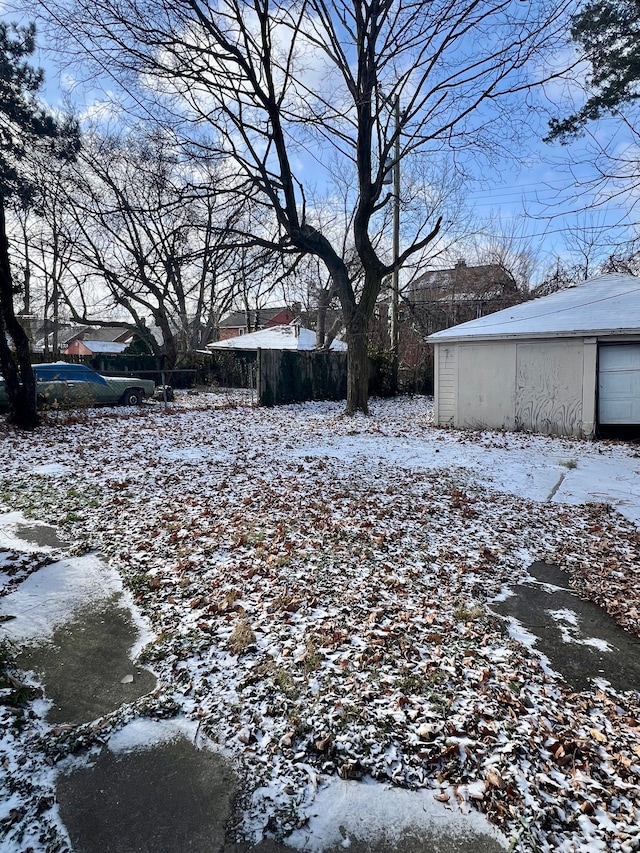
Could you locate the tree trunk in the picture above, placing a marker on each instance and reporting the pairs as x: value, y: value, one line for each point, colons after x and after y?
x: 358, y: 372
x: 169, y: 347
x: 15, y: 366
x: 321, y: 320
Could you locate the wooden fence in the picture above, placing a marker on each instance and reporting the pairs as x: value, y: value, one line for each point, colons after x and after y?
x: 286, y: 376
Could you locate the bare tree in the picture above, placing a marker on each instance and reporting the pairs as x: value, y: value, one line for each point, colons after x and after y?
x: 294, y: 94
x: 591, y: 247
x: 585, y: 248
x: 559, y: 276
x: 44, y: 249
x: 258, y: 274
x: 144, y: 230
x: 505, y: 244
x: 625, y: 259
x: 24, y: 125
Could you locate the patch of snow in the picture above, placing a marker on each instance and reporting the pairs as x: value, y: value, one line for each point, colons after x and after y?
x: 51, y: 469
x: 345, y: 811
x: 49, y: 597
x: 143, y: 734
x: 597, y: 480
x: 505, y: 592
x: 10, y: 538
x: 565, y: 615
x: 518, y: 632
x: 571, y: 634
x: 191, y: 454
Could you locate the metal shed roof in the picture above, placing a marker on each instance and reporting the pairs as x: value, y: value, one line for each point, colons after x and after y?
x: 604, y: 306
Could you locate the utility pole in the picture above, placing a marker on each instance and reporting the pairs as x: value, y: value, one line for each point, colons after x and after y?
x: 393, y: 326
x: 55, y: 298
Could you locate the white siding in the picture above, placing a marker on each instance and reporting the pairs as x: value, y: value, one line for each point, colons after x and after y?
x: 549, y: 380
x: 619, y: 384
x: 446, y: 384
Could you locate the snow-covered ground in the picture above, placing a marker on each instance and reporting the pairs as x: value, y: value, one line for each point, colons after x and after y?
x: 318, y: 592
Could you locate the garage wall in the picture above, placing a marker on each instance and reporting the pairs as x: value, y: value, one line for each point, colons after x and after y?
x: 446, y: 384
x: 549, y: 381
x: 486, y: 385
x: 545, y: 386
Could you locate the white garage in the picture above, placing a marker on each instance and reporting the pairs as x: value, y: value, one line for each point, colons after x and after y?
x: 564, y: 364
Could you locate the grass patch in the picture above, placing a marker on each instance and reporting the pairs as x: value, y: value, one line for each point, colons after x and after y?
x: 467, y: 614
x: 312, y: 659
x: 285, y: 682
x: 413, y: 684
x: 242, y: 638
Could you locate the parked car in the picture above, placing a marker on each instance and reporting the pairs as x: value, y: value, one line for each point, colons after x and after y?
x: 67, y: 385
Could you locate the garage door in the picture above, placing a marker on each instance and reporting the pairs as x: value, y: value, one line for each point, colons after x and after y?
x: 619, y: 384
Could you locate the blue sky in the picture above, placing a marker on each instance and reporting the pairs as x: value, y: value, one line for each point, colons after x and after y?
x: 542, y: 201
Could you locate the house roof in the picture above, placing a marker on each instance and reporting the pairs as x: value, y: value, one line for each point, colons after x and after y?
x: 104, y: 346
x: 603, y: 306
x: 470, y: 282
x: 238, y: 320
x: 67, y: 333
x: 291, y: 337
x: 102, y: 333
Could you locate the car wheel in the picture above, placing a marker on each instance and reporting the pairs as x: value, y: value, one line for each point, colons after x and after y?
x: 132, y: 397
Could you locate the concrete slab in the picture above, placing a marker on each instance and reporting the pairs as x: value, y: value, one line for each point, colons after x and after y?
x: 86, y: 669
x: 172, y: 797
x: 580, y: 640
x: 175, y: 797
x: 42, y: 535
x: 416, y: 841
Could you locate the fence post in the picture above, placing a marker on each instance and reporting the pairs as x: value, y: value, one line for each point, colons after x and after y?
x: 164, y: 388
x: 259, y: 382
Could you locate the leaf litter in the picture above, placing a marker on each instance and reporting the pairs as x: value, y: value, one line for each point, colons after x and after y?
x: 318, y: 591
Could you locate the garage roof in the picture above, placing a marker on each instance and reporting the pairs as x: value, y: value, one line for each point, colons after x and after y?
x: 275, y: 337
x: 603, y: 306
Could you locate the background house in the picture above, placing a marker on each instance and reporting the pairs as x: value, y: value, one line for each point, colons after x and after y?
x: 564, y: 364
x: 243, y: 322
x: 96, y: 341
x: 82, y: 339
x: 442, y: 298
x: 289, y: 337
x: 87, y: 340
x: 437, y: 300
